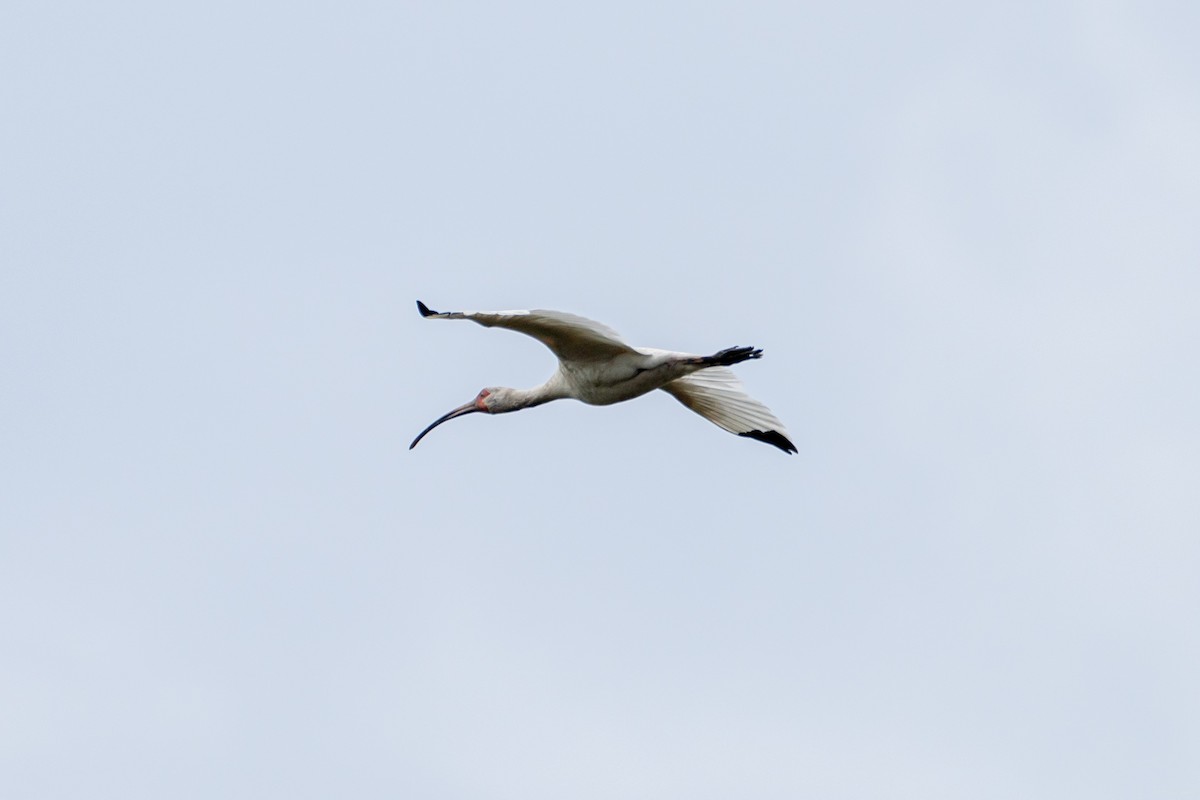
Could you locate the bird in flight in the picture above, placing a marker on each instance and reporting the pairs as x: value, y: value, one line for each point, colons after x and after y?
x: 597, y: 366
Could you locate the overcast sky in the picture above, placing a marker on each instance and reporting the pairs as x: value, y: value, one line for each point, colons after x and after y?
x: 968, y: 239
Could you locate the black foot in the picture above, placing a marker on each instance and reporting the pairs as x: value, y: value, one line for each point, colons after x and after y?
x: 732, y: 355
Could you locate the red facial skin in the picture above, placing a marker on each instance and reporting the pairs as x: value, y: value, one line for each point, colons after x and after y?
x: 479, y: 400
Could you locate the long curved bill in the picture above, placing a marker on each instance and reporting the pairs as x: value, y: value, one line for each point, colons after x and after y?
x: 458, y: 412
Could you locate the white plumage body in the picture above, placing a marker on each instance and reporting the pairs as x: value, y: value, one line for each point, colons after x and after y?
x: 623, y: 377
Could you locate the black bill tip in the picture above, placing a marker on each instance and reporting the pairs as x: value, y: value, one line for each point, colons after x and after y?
x: 466, y: 408
x: 774, y: 438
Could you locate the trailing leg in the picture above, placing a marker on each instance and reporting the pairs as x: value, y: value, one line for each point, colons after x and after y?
x: 730, y: 356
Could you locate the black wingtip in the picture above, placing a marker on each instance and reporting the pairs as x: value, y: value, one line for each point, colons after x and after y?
x: 424, y: 309
x: 774, y: 438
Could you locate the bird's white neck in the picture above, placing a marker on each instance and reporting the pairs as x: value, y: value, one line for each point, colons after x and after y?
x: 504, y: 399
x: 553, y: 389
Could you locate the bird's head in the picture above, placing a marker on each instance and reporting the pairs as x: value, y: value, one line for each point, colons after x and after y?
x: 498, y: 400
x: 492, y: 400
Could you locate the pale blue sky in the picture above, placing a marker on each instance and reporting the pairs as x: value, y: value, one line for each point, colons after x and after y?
x: 966, y: 238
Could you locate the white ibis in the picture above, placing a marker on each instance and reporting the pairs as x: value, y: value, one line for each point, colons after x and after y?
x: 597, y: 366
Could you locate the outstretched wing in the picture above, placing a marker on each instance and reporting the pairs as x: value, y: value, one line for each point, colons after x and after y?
x: 717, y: 395
x: 569, y: 337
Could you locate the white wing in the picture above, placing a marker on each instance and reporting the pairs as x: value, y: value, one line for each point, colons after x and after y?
x: 569, y: 337
x: 717, y: 395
